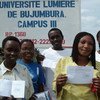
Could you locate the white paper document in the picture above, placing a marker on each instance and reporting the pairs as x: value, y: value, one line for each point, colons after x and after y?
x: 49, y: 63
x: 14, y: 88
x: 18, y: 88
x: 43, y: 96
x: 80, y: 74
x: 5, y: 88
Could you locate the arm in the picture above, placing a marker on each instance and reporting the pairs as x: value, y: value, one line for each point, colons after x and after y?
x: 29, y: 89
x: 60, y: 82
x: 96, y: 84
x: 8, y: 98
x: 59, y: 77
x: 41, y: 88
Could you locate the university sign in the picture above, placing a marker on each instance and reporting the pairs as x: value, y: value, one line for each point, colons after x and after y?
x: 33, y: 19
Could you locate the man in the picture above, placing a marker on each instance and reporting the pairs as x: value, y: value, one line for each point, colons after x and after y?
x: 10, y: 70
x: 98, y: 52
x: 52, y: 55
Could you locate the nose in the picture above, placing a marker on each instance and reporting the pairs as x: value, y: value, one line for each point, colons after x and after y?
x: 55, y: 39
x: 86, y: 45
x: 27, y: 50
x: 12, y: 53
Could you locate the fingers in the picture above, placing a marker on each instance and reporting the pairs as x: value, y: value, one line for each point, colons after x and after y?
x: 96, y: 83
x: 61, y: 79
x: 60, y: 82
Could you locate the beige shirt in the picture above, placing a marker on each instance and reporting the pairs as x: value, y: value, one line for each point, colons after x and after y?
x: 19, y: 72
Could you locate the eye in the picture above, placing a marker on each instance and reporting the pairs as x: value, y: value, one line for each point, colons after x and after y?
x: 57, y: 37
x: 27, y: 49
x: 83, y: 42
x: 90, y: 43
x: 16, y: 50
x: 13, y: 50
x: 23, y: 49
x: 9, y: 50
x: 52, y: 37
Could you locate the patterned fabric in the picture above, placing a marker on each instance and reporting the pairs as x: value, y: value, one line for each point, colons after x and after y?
x: 73, y: 91
x: 18, y: 73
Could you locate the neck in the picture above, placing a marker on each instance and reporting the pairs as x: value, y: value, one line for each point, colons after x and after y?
x: 82, y: 61
x: 26, y: 61
x: 9, y: 65
x: 98, y: 51
x: 59, y: 48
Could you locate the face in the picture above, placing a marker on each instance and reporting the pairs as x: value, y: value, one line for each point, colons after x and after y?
x: 11, y: 51
x: 85, y: 46
x: 56, y: 40
x: 27, y: 51
x: 99, y: 40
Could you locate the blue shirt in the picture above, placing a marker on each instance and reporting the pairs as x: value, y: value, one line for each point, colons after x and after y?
x: 36, y: 73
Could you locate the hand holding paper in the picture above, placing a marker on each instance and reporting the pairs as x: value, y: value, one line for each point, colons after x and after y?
x: 80, y: 74
x: 14, y: 88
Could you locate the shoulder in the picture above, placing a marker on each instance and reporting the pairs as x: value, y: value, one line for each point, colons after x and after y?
x: 21, y: 68
x: 37, y: 64
x: 96, y: 53
x: 1, y: 65
x: 67, y: 51
x: 98, y: 65
x: 97, y: 56
x: 19, y: 61
x: 0, y: 68
x: 66, y: 59
x: 47, y: 50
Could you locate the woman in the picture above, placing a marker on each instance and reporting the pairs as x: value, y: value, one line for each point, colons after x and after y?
x: 83, y: 54
x: 35, y: 69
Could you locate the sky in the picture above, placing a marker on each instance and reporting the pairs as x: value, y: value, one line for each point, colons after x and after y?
x: 90, y: 16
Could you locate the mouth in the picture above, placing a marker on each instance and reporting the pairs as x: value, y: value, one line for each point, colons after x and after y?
x: 12, y: 58
x: 86, y: 51
x: 29, y: 55
x: 56, y: 43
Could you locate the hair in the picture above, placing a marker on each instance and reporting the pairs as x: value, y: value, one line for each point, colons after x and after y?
x: 13, y: 38
x: 75, y: 51
x: 56, y: 29
x: 98, y: 35
x: 26, y: 40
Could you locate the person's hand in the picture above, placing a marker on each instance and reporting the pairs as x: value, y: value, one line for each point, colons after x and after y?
x: 60, y: 82
x: 40, y: 57
x: 9, y: 98
x: 96, y: 84
x: 33, y: 97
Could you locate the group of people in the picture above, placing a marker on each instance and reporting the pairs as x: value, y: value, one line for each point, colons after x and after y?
x: 50, y: 72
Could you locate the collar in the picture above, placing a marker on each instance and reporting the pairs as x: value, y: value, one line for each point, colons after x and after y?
x: 4, y: 69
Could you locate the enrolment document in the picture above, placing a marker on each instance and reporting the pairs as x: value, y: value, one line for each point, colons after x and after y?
x: 80, y: 74
x: 14, y: 88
